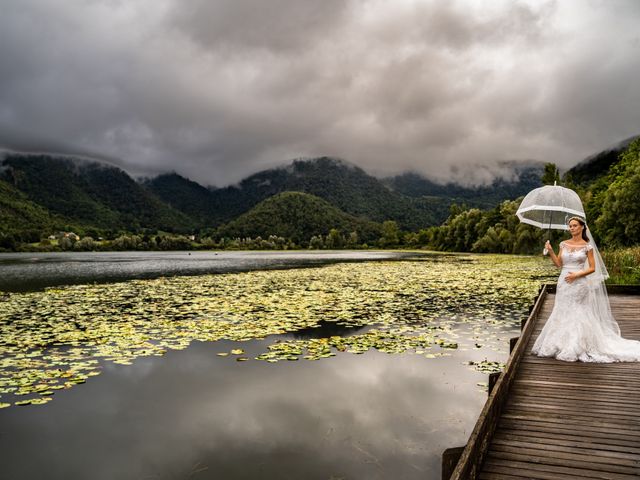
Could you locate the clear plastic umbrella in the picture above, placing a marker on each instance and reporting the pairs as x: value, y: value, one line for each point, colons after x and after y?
x: 550, y: 207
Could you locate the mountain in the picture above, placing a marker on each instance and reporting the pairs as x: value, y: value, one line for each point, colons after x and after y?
x: 98, y: 197
x: 19, y: 214
x: 598, y: 165
x: 189, y: 197
x: 345, y: 186
x: 609, y: 183
x: 297, y: 216
x: 527, y: 177
x: 89, y: 194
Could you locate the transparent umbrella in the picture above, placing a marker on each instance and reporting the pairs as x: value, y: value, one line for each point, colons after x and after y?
x: 550, y: 207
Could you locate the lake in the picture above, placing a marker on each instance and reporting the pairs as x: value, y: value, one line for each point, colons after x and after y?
x: 274, y: 365
x: 28, y: 271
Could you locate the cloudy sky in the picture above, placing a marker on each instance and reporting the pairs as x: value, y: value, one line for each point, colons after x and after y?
x: 219, y: 89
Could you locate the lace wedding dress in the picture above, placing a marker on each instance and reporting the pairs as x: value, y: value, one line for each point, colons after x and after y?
x: 581, y: 327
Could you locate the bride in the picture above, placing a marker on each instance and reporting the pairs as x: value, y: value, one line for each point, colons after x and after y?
x: 581, y: 326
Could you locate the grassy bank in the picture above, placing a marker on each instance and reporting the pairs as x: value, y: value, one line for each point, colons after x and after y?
x: 623, y: 265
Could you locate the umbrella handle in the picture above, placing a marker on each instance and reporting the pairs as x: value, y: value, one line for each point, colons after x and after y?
x: 545, y: 250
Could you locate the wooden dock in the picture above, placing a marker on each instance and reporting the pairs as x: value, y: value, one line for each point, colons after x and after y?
x: 548, y: 419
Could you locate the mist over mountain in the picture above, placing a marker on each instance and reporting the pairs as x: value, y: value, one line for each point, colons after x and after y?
x: 525, y: 178
x: 98, y: 195
x: 90, y: 194
x: 47, y: 191
x: 343, y: 185
x: 598, y: 165
x: 43, y: 193
x: 80, y: 193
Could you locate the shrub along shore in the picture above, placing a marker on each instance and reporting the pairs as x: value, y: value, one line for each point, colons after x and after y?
x: 623, y: 263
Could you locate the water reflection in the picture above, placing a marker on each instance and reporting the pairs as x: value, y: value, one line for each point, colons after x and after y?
x: 192, y: 414
x: 33, y: 271
x: 326, y: 329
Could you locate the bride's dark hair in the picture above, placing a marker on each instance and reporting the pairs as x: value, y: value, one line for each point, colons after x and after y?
x: 584, y: 227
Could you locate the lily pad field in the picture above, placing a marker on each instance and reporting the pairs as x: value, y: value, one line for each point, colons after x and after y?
x: 338, y: 370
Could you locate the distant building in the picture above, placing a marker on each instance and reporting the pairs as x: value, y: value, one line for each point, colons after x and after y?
x: 70, y: 235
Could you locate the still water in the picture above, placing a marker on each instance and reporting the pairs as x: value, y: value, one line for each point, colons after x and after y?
x: 361, y: 370
x: 22, y: 271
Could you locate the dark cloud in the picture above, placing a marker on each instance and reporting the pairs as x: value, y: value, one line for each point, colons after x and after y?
x: 219, y: 90
x: 278, y: 25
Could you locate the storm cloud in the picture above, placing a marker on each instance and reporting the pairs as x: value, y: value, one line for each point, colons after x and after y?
x: 217, y: 90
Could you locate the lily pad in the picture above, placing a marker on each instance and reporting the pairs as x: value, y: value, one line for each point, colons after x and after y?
x: 59, y: 338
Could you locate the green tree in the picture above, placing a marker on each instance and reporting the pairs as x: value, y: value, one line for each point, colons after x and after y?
x: 86, y: 244
x: 551, y: 174
x: 66, y: 243
x: 619, y: 221
x: 390, y: 234
x: 316, y: 242
x: 334, y: 239
x: 8, y: 242
x: 353, y: 240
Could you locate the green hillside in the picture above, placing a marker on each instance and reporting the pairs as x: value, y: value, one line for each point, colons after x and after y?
x: 610, y: 197
x: 611, y: 200
x: 527, y: 177
x: 90, y: 194
x: 343, y: 185
x: 187, y: 196
x: 297, y: 216
x: 596, y: 166
x: 17, y: 212
x: 40, y: 194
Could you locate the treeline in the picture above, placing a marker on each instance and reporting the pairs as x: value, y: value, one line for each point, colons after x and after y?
x: 87, y: 194
x: 488, y: 231
x: 291, y: 220
x: 335, y: 239
x: 610, y: 201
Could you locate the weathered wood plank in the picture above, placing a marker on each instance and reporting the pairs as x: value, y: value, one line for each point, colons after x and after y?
x: 591, y: 454
x: 561, y: 460
x: 631, y: 448
x: 560, y: 420
x: 552, y: 420
x: 534, y: 470
x: 556, y: 430
x: 586, y: 410
x: 473, y: 455
x: 575, y: 397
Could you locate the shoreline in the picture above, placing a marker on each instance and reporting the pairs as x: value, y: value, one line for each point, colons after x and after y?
x: 26, y: 272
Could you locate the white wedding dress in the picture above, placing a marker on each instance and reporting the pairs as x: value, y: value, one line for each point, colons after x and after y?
x: 581, y: 327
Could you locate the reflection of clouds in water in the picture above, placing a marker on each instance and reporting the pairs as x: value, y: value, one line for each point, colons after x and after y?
x: 327, y: 329
x: 355, y: 416
x: 370, y: 416
x: 38, y: 270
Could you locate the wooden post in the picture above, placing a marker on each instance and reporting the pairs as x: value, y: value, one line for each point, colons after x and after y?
x: 512, y: 343
x: 493, y: 379
x: 474, y: 453
x: 450, y: 459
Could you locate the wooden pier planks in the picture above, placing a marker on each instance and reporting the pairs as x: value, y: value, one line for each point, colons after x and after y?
x: 561, y: 420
